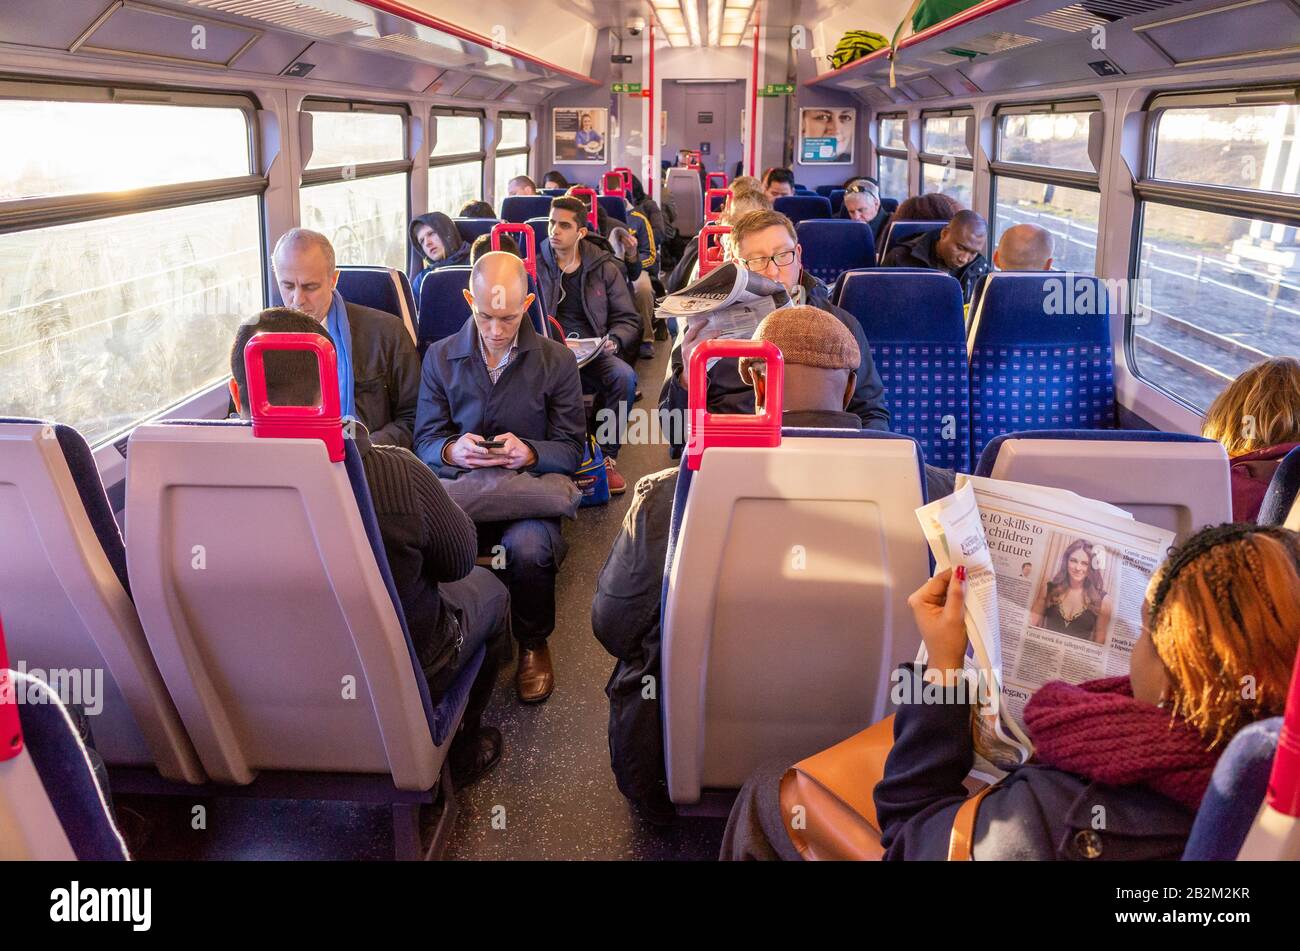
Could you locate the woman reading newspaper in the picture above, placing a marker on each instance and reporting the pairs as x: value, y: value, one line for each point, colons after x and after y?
x: 1120, y: 764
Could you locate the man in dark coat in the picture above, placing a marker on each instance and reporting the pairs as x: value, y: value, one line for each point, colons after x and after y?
x: 820, y: 369
x: 766, y: 242
x: 452, y: 608
x: 379, y: 370
x: 587, y: 292
x: 862, y: 203
x: 957, y: 248
x: 498, y: 381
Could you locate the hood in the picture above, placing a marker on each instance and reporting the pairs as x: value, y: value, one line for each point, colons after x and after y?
x: 443, y: 226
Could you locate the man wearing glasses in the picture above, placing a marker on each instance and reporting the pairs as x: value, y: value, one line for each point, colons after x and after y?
x: 498, y: 394
x: 765, y: 243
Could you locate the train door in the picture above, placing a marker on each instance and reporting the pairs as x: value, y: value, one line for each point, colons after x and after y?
x: 706, y: 116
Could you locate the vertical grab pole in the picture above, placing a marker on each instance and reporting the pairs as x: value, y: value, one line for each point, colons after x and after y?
x: 753, y: 105
x: 652, y: 156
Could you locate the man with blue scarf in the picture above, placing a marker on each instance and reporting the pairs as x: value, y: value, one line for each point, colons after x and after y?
x: 379, y: 371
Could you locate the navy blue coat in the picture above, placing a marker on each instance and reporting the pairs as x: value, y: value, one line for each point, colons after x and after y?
x: 538, y: 398
x: 1038, y: 812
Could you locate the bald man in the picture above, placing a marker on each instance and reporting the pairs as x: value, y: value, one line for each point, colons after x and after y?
x: 957, y: 248
x: 1024, y: 248
x: 498, y: 394
x: 379, y: 370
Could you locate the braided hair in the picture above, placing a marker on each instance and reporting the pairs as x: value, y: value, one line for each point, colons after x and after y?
x: 1224, y: 619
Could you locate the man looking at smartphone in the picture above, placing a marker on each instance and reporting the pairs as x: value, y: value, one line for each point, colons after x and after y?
x: 496, y: 393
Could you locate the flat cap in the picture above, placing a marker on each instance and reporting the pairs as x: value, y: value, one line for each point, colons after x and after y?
x: 809, y: 337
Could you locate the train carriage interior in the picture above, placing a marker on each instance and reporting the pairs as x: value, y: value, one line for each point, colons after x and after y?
x: 1038, y: 247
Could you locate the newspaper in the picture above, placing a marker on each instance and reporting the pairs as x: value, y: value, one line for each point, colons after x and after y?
x: 585, y: 349
x: 730, y: 298
x: 1054, y: 590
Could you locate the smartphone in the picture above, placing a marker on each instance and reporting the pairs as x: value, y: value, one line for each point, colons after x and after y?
x: 490, y: 443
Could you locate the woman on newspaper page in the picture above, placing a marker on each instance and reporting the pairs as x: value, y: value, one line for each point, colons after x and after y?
x: 1074, y: 600
x: 1138, y: 750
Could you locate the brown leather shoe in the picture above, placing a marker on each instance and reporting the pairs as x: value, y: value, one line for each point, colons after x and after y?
x: 535, y: 678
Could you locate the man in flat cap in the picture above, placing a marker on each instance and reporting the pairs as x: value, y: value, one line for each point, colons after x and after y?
x: 821, y: 362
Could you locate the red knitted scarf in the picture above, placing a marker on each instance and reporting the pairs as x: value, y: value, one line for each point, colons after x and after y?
x: 1098, y: 731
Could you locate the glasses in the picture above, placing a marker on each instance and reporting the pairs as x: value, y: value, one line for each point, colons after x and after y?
x: 780, y: 259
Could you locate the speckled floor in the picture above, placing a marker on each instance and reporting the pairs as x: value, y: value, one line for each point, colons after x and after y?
x: 554, y: 781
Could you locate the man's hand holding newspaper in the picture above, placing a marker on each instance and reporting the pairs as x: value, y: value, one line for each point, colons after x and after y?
x: 1054, y: 590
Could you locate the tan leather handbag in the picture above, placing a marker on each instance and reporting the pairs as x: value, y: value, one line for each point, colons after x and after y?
x: 829, y: 811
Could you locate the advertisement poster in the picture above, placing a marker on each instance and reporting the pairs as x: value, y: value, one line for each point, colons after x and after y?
x: 580, y: 135
x: 826, y: 135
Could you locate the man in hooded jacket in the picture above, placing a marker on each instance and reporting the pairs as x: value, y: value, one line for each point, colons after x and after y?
x: 436, y: 242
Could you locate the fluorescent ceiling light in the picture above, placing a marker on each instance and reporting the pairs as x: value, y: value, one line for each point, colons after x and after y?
x: 715, y: 22
x: 666, y: 5
x: 692, y: 10
x: 672, y: 21
x: 730, y: 39
x: 733, y: 21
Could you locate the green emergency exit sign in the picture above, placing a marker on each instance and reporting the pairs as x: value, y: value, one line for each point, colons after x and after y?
x: 633, y: 88
x: 777, y: 89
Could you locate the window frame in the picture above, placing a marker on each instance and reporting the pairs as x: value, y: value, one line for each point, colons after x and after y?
x: 966, y: 163
x: 460, y: 158
x: 35, y: 214
x: 337, y: 173
x: 1074, y: 178
x: 32, y: 214
x: 1273, y: 207
x: 524, y: 150
x: 1222, y: 200
x: 883, y: 151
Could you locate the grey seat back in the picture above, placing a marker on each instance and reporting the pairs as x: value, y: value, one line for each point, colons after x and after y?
x: 786, y: 601
x: 67, y: 611
x: 683, y: 185
x: 264, y: 604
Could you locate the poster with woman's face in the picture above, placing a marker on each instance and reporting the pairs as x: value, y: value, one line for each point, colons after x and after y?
x: 826, y: 135
x: 579, y: 135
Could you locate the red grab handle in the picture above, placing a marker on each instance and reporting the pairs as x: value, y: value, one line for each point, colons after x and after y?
x: 1284, y: 780
x: 612, y: 189
x: 627, y: 179
x: 530, y: 258
x: 763, y: 429
x: 695, y: 158
x: 11, y: 728
x: 323, y: 422
x: 711, y: 213
x: 711, y: 254
x: 582, y: 191
x: 719, y: 177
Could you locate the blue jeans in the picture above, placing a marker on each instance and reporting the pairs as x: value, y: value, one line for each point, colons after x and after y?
x: 612, y: 381
x: 534, y: 551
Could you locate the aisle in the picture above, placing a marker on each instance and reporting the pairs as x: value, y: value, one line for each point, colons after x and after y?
x: 554, y: 782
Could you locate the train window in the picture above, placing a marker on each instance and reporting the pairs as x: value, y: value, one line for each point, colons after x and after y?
x: 945, y: 134
x: 352, y: 139
x: 1054, y: 139
x: 355, y: 187
x: 1237, y: 146
x: 1218, y: 277
x: 511, y: 154
x: 45, y: 152
x: 1070, y: 214
x: 946, y: 164
x: 1044, y: 175
x: 456, y: 161
x: 111, y: 312
x: 891, y: 157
